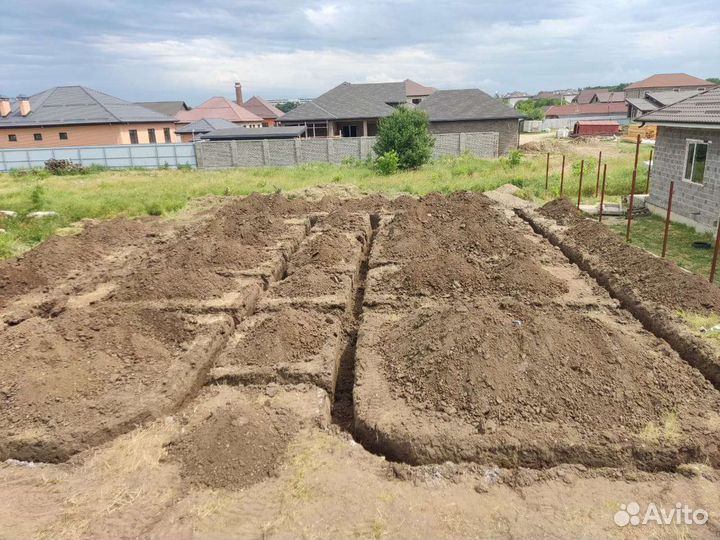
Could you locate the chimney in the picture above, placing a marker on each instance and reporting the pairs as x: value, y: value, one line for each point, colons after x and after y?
x: 238, y: 94
x: 24, y: 105
x: 5, y: 108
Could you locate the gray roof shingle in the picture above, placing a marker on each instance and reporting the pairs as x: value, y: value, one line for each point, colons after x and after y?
x: 73, y: 105
x: 206, y: 125
x: 245, y: 133
x: 703, y: 108
x: 470, y: 104
x: 169, y: 108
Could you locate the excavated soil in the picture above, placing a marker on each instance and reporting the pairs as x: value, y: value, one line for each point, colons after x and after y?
x: 235, y: 446
x: 655, y: 279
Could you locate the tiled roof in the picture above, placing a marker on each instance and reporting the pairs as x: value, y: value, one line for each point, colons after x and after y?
x: 669, y: 97
x: 703, y: 108
x: 584, y: 97
x: 470, y: 104
x: 642, y: 104
x: 206, y: 125
x: 218, y: 107
x: 259, y: 107
x: 76, y: 105
x: 670, y: 80
x: 578, y: 109
x: 416, y: 89
x: 610, y: 97
x: 169, y: 108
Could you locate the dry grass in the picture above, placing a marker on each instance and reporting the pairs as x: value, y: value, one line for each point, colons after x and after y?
x: 667, y: 431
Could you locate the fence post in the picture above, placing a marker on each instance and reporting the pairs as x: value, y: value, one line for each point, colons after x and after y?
x: 715, y: 253
x: 462, y: 143
x: 234, y: 156
x: 562, y: 176
x: 667, y: 218
x: 329, y: 150
x: 647, y: 182
x: 602, y: 193
x: 582, y: 170
x: 632, y: 190
x: 105, y: 161
x: 4, y: 164
x: 298, y: 151
x: 266, y: 152
x: 597, y: 180
x: 547, y: 170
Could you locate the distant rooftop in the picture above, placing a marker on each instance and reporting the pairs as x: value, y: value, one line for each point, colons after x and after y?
x: 670, y: 80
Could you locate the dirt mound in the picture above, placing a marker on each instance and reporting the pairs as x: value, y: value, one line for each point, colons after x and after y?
x: 543, y: 146
x: 235, y: 447
x: 328, y: 250
x: 310, y: 282
x: 657, y: 280
x: 562, y: 211
x: 288, y: 335
x: 73, y: 380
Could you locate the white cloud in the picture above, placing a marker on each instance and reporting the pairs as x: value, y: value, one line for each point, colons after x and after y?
x: 324, y: 16
x: 213, y: 65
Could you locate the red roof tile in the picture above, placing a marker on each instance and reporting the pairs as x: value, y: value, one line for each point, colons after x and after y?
x: 262, y: 108
x: 218, y: 107
x: 669, y: 80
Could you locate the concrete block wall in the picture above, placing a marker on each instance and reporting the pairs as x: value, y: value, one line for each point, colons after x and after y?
x: 698, y: 204
x: 277, y: 153
x: 507, y: 131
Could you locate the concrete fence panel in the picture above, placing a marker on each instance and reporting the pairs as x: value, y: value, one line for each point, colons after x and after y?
x: 152, y: 156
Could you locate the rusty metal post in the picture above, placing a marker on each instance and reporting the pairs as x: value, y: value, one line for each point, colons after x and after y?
x: 602, y: 193
x: 597, y: 180
x: 647, y: 182
x: 632, y: 190
x: 562, y: 176
x: 667, y: 218
x: 715, y: 253
x: 582, y: 170
x: 547, y: 170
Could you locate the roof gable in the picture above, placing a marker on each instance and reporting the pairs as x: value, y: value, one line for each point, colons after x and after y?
x: 169, y: 108
x: 74, y: 105
x: 218, y: 107
x: 670, y: 80
x: 259, y: 107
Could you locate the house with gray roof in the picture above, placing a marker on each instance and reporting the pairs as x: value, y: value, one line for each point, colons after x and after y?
x: 354, y: 110
x: 79, y: 116
x: 687, y: 153
x: 652, y: 101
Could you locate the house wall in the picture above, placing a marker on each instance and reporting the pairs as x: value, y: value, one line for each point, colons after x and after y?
x: 507, y: 130
x: 92, y: 135
x: 695, y: 202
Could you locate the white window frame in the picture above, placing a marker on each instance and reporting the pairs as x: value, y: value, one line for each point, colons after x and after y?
x: 688, y: 142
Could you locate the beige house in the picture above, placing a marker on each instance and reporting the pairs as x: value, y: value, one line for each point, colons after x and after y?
x: 79, y: 116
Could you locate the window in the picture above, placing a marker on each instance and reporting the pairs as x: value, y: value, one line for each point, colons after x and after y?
x: 63, y: 136
x: 701, y: 89
x: 151, y: 136
x: 12, y: 137
x: 695, y: 156
x: 166, y: 133
x: 133, y: 136
x: 37, y: 136
x: 416, y: 100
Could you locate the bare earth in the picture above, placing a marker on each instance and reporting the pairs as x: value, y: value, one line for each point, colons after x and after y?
x: 333, y: 367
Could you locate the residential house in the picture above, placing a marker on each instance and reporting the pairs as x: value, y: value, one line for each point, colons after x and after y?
x: 79, y: 116
x: 687, y: 151
x: 608, y: 97
x: 586, y: 96
x: 353, y: 110
x: 168, y: 108
x: 655, y: 100
x: 219, y: 108
x: 264, y: 109
x: 193, y: 131
x: 513, y: 98
x: 589, y: 111
x: 675, y: 82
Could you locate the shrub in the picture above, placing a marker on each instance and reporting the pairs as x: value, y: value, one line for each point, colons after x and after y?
x: 63, y: 166
x: 153, y: 209
x: 514, y: 158
x: 37, y: 197
x: 406, y: 132
x: 388, y: 163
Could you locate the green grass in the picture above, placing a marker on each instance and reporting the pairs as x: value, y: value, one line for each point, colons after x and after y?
x: 106, y: 194
x: 647, y: 232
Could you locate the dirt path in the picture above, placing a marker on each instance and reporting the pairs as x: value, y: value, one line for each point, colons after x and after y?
x: 341, y: 368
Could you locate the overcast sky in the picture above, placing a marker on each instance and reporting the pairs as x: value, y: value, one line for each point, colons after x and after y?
x: 191, y: 50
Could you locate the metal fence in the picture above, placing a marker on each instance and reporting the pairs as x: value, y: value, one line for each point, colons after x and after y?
x: 120, y: 156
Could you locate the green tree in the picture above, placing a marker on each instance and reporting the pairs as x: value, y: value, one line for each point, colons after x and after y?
x: 534, y: 109
x: 407, y: 132
x: 287, y: 106
x: 714, y: 80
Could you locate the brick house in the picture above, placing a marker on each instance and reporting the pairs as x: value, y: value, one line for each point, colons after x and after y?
x: 354, y: 110
x: 663, y: 82
x: 687, y: 151
x: 222, y: 108
x: 79, y: 116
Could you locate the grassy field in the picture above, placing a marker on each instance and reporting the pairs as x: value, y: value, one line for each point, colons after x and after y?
x: 106, y: 194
